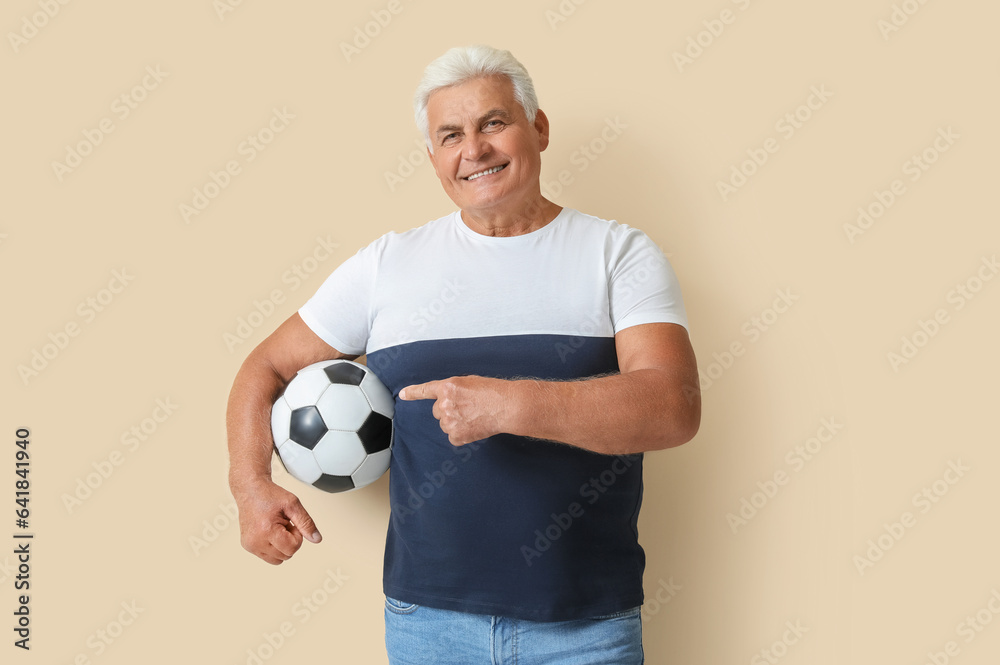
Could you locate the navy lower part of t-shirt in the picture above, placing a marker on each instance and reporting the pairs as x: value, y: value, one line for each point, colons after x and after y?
x: 509, y: 525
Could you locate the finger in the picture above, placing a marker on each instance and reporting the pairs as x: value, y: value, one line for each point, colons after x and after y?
x: 260, y: 547
x: 285, y: 539
x: 419, y: 391
x: 265, y: 551
x: 273, y: 560
x: 303, y: 522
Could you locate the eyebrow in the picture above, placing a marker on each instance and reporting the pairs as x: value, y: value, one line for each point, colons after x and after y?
x: 497, y: 113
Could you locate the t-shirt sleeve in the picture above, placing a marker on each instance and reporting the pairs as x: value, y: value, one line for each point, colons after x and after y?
x: 642, y: 285
x: 340, y: 310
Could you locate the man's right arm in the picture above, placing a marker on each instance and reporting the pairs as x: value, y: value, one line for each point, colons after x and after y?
x: 272, y: 520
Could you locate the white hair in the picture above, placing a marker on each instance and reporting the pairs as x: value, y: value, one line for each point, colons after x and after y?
x: 464, y: 63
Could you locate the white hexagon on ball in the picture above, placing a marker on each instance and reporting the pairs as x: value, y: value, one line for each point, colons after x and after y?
x: 305, y: 388
x: 379, y: 396
x: 343, y: 407
x: 299, y: 462
x: 281, y: 416
x: 372, y: 468
x: 339, y: 453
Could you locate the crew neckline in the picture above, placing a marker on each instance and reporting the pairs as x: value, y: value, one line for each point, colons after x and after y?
x: 509, y: 240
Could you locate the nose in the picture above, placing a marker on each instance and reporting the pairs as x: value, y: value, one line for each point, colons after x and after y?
x: 477, y: 146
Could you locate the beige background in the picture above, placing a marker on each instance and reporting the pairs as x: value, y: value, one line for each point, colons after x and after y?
x: 135, y: 538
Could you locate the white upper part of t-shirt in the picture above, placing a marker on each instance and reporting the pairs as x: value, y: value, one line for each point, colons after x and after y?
x: 577, y: 276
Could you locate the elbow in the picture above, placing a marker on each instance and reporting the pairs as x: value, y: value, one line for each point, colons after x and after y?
x: 677, y: 437
x: 660, y: 434
x: 679, y: 414
x: 685, y: 432
x: 680, y: 426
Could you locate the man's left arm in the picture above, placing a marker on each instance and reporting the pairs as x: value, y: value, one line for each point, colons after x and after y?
x: 654, y: 402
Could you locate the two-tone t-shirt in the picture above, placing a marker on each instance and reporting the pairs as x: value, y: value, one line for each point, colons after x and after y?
x: 509, y: 525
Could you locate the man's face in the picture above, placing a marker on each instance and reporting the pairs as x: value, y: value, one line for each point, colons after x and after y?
x: 478, y: 126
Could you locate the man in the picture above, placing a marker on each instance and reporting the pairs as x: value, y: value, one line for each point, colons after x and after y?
x: 536, y: 353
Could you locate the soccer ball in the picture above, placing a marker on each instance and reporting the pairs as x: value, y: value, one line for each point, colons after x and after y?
x: 332, y: 427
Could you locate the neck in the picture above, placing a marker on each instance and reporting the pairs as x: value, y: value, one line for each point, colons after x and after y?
x: 522, y: 219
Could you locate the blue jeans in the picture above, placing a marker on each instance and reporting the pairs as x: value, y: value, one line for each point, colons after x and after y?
x: 419, y: 635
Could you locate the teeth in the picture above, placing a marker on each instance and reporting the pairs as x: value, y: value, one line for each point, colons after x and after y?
x: 486, y: 172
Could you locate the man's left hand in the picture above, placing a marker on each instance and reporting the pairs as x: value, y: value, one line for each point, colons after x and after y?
x: 469, y: 408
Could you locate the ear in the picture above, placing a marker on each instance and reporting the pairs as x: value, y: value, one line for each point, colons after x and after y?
x: 542, y: 127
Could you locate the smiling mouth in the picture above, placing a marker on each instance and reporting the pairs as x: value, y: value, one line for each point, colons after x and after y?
x: 495, y: 169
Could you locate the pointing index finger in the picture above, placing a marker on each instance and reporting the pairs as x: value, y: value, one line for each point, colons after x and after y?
x: 418, y: 391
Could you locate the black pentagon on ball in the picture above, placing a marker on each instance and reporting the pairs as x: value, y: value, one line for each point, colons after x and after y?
x: 375, y: 433
x: 306, y: 427
x: 329, y: 483
x: 345, y: 373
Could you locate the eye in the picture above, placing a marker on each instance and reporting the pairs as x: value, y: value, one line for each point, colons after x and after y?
x: 494, y: 124
x: 450, y: 138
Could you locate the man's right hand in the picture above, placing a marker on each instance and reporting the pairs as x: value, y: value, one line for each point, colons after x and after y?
x: 272, y: 521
